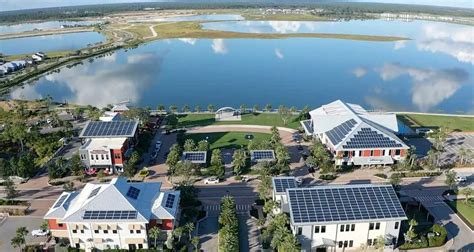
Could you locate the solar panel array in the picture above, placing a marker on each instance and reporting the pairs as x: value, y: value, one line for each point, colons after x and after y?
x: 170, y: 201
x: 368, y: 138
x: 263, y: 154
x: 281, y: 184
x: 94, y: 192
x: 60, y: 201
x: 133, y: 192
x: 109, y: 215
x: 195, y: 156
x: 344, y: 204
x: 114, y: 128
x: 337, y: 134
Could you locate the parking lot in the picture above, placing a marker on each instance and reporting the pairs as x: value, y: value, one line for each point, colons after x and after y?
x: 453, y: 145
x: 9, y: 226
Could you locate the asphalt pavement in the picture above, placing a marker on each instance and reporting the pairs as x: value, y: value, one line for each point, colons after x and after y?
x: 9, y: 226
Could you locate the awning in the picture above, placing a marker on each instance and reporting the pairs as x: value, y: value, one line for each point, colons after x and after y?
x: 134, y: 240
x: 113, y: 226
x: 104, y: 227
x: 76, y: 240
x: 131, y: 226
x: 372, y: 160
x: 81, y: 227
x: 97, y: 240
x: 95, y: 226
x: 319, y: 242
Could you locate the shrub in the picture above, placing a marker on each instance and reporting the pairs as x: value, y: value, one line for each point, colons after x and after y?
x: 416, y: 244
x: 327, y: 176
x: 419, y: 174
x: 440, y: 236
x: 144, y: 173
x: 380, y: 175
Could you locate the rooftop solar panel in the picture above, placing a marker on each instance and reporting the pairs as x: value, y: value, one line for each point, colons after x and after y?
x: 133, y: 192
x: 337, y: 134
x: 110, y: 129
x: 262, y: 155
x: 60, y: 201
x: 281, y: 184
x: 331, y: 204
x: 94, y: 192
x: 109, y: 215
x: 368, y: 138
x: 170, y: 201
x: 195, y: 156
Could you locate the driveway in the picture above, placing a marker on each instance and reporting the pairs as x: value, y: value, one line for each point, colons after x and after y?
x: 248, y: 234
x: 207, y: 232
x: 11, y: 224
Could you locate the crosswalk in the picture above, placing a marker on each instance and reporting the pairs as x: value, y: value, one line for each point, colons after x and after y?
x: 216, y: 208
x: 429, y: 198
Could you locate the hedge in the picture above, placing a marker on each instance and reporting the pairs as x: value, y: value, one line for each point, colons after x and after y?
x: 418, y: 243
x: 327, y: 176
x: 419, y: 174
x: 380, y: 175
x: 439, y: 240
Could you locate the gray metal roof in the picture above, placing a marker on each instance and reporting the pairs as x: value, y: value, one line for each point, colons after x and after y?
x: 344, y: 204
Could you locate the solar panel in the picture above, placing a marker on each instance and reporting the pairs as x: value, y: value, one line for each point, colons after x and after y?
x: 281, y: 184
x: 195, y: 156
x: 110, y: 129
x: 368, y: 138
x: 94, y: 192
x: 133, y: 192
x: 109, y: 215
x: 337, y: 134
x: 170, y: 201
x: 262, y: 155
x: 60, y: 201
x: 347, y: 203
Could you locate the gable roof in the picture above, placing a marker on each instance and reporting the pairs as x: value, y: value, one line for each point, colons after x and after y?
x: 343, y: 204
x: 110, y: 129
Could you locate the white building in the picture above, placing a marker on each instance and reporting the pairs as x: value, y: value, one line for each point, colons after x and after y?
x: 280, y: 184
x: 344, y: 217
x: 355, y: 136
x: 114, y: 215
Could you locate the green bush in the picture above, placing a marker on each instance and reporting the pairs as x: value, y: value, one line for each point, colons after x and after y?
x: 8, y: 202
x: 416, y: 244
x: 327, y: 176
x: 419, y: 174
x: 380, y: 175
x: 437, y: 240
x: 144, y: 173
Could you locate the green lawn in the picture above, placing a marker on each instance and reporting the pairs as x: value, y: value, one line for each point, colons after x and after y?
x: 464, y: 209
x: 267, y: 119
x: 225, y: 140
x: 453, y: 123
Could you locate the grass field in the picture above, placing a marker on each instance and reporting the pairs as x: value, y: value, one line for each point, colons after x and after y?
x: 454, y: 123
x: 464, y: 209
x: 225, y: 140
x: 266, y: 119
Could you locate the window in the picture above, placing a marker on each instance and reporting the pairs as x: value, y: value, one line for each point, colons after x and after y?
x: 372, y: 153
x: 92, y: 157
x: 117, y: 156
x: 345, y: 154
x: 345, y: 244
x: 316, y: 229
x: 82, y: 231
x: 74, y: 231
x: 353, y: 227
x: 78, y: 245
x: 342, y: 228
x: 300, y: 231
x: 396, y: 225
x: 371, y: 226
x: 360, y: 153
x: 140, y: 246
x: 96, y: 231
x: 131, y: 231
x: 353, y: 153
x: 340, y: 244
x: 114, y: 231
x: 60, y: 225
x: 351, y: 243
x: 106, y: 231
x: 102, y: 156
x: 397, y: 152
x: 138, y: 231
x: 383, y: 152
x: 369, y: 242
x: 107, y: 157
x: 348, y: 227
x: 323, y: 229
x: 377, y: 226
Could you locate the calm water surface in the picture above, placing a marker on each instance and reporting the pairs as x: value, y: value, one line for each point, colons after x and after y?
x: 213, y: 17
x: 431, y: 72
x: 41, y: 26
x: 59, y: 42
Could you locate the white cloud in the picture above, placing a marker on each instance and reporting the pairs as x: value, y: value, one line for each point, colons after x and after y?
x: 279, y: 54
x: 430, y: 86
x: 456, y: 41
x: 291, y: 26
x: 359, y: 72
x: 219, y: 46
x: 190, y: 41
x: 400, y: 44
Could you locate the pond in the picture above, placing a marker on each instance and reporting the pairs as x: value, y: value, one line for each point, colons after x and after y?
x: 212, y: 17
x: 58, y: 42
x: 14, y: 28
x: 432, y: 72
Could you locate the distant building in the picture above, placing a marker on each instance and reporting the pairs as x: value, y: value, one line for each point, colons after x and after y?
x: 108, y: 145
x: 109, y: 116
x: 39, y: 56
x: 356, y: 136
x: 114, y: 215
x: 120, y: 108
x: 345, y: 217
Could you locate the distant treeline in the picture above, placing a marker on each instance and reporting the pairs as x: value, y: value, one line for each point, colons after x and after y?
x: 344, y: 8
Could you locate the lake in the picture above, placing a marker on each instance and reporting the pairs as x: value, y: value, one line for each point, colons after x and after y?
x: 41, y: 26
x: 432, y: 72
x: 58, y: 42
x: 213, y: 17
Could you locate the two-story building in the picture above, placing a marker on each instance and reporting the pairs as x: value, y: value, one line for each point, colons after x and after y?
x: 108, y: 144
x: 279, y: 185
x: 355, y: 136
x: 345, y: 217
x: 114, y: 215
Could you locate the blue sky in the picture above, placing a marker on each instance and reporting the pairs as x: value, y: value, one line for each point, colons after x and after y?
x: 29, y: 4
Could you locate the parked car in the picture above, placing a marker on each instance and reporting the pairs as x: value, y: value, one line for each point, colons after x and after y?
x: 211, y: 180
x: 158, y: 145
x: 40, y: 232
x: 460, y: 179
x: 245, y: 179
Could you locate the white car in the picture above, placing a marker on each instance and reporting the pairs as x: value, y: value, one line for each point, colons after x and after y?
x: 460, y: 179
x: 211, y: 180
x: 40, y: 232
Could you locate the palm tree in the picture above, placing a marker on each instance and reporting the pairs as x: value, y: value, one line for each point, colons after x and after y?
x: 462, y: 154
x: 19, y: 239
x: 160, y: 107
x: 239, y: 161
x: 189, y: 228
x: 197, y: 109
x: 243, y: 108
x: 186, y: 108
x: 210, y: 108
x: 268, y: 107
x: 154, y: 233
x: 195, y: 242
x: 178, y: 232
x: 173, y: 108
x: 255, y: 108
x: 413, y: 223
x: 467, y: 192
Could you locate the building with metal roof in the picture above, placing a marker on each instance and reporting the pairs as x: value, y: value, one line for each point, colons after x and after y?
x: 116, y: 214
x: 356, y: 136
x: 279, y: 185
x: 345, y: 217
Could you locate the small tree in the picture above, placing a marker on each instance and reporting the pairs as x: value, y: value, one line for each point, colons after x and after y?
x: 76, y: 164
x: 197, y: 109
x: 186, y: 108
x: 239, y: 160
x: 268, y: 107
x: 210, y: 108
x: 379, y: 242
x: 68, y: 186
x: 19, y: 239
x: 285, y: 114
x: 195, y: 242
x: 189, y: 229
x: 395, y: 180
x: 203, y: 145
x: 450, y: 180
x: 10, y: 189
x: 243, y: 108
x: 100, y: 174
x: 189, y: 145
x: 467, y: 192
x: 256, y: 108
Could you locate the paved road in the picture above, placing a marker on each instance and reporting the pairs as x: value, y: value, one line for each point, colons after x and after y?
x: 11, y: 224
x: 248, y: 234
x: 207, y: 232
